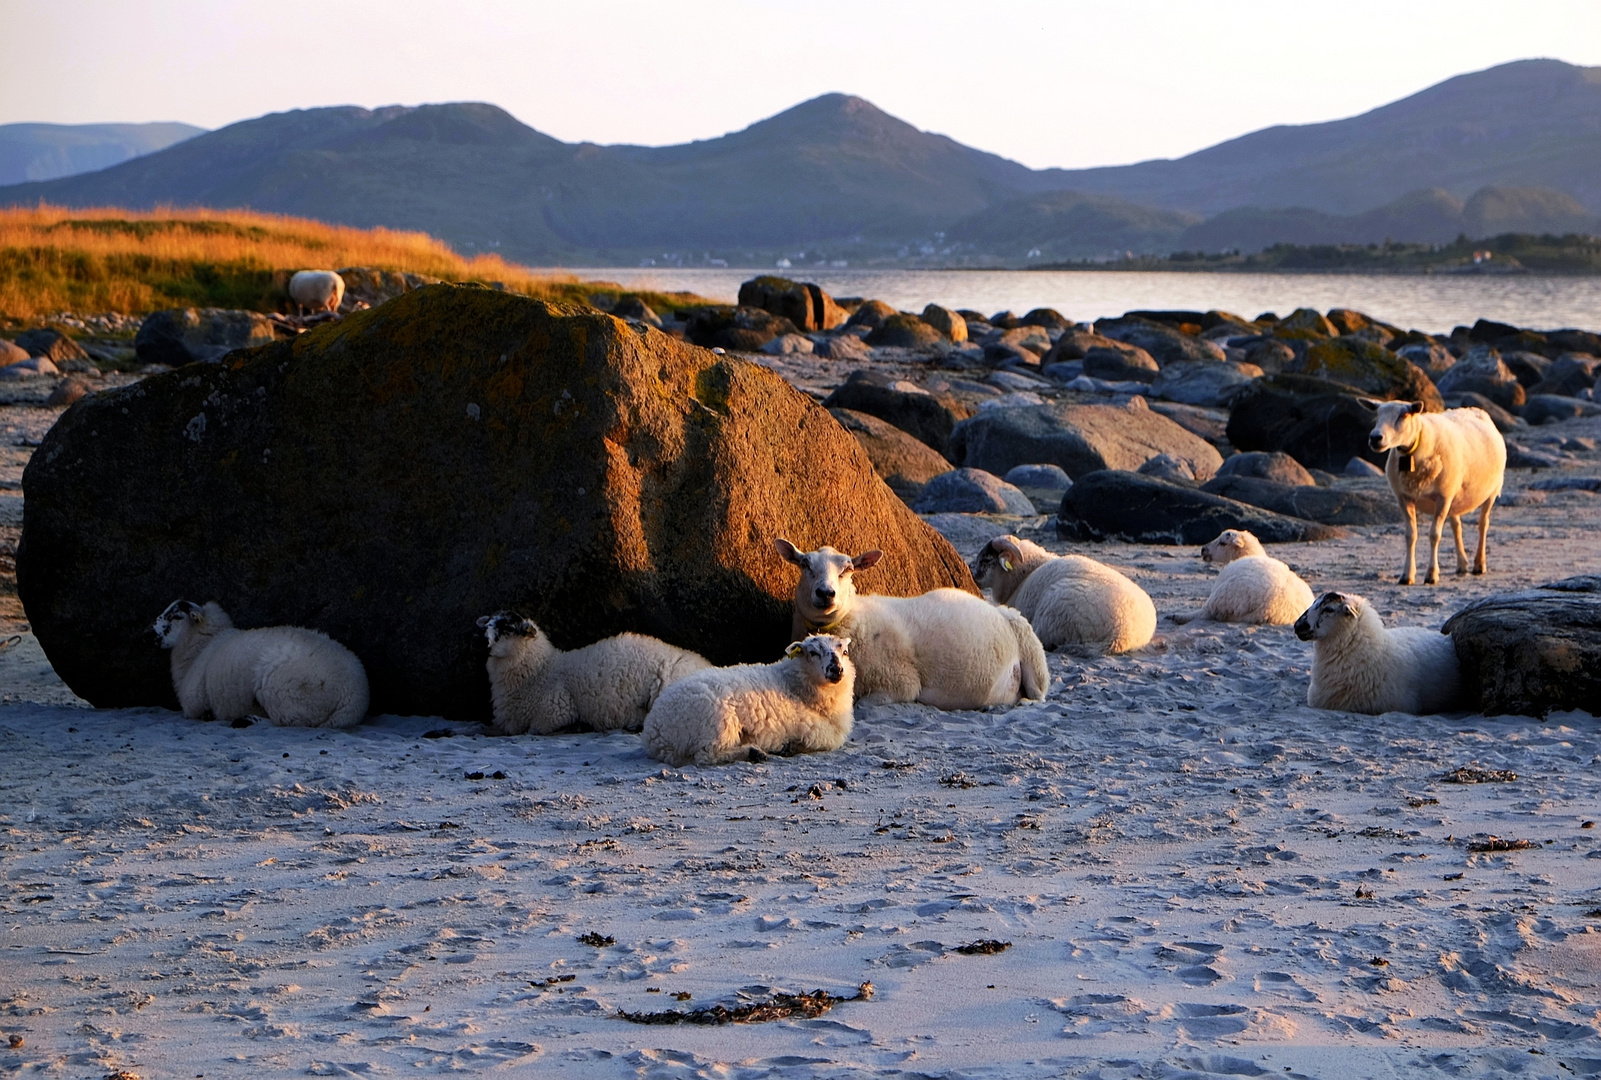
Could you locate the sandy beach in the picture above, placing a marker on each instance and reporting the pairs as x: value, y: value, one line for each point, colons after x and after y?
x: 1195, y: 873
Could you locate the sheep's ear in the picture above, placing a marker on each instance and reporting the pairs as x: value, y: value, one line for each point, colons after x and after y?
x: 1006, y: 563
x: 867, y: 560
x: 1370, y: 404
x: 794, y: 650
x: 1414, y: 407
x: 1007, y: 547
x: 483, y: 621
x: 789, y: 551
x: 845, y: 645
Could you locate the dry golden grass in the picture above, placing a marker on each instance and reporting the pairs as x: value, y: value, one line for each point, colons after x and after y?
x: 54, y: 259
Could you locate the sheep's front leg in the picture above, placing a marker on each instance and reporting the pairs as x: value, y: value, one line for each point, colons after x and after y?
x: 1436, y: 533
x: 1409, y: 565
x: 1480, y: 565
x: 1461, y: 552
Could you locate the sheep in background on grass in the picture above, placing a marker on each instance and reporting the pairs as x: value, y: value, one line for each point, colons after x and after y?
x: 293, y: 676
x: 800, y: 705
x: 946, y: 648
x: 1360, y: 666
x: 1446, y: 464
x: 318, y: 290
x: 1254, y: 587
x: 607, y: 686
x: 1068, y: 599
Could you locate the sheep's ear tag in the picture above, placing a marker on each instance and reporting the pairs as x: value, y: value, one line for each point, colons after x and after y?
x: 793, y: 650
x: 1006, y: 564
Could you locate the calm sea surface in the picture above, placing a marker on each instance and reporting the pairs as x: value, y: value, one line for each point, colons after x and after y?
x: 1434, y: 303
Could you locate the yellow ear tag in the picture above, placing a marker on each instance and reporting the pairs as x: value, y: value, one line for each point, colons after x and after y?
x: 1006, y: 564
x: 793, y: 650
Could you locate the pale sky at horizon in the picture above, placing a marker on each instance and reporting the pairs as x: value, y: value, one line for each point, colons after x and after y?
x: 1067, y: 84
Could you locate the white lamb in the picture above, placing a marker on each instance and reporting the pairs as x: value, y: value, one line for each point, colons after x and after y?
x: 1254, y: 587
x: 293, y: 676
x: 1068, y: 599
x: 318, y: 290
x: 1446, y: 464
x: 946, y: 648
x: 607, y: 686
x: 1360, y: 666
x: 800, y: 705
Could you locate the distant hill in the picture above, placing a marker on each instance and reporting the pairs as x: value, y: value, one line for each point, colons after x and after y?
x: 1533, y: 123
x: 1514, y: 148
x: 47, y: 151
x: 1434, y: 216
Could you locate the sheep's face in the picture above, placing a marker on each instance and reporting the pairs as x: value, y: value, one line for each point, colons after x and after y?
x: 829, y: 655
x: 180, y: 617
x: 1331, y: 612
x: 1231, y: 544
x: 1394, y: 425
x: 825, y: 591
x: 999, y: 567
x: 505, y: 628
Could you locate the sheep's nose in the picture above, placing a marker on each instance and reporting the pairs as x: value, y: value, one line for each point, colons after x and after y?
x: 825, y: 594
x: 1376, y: 441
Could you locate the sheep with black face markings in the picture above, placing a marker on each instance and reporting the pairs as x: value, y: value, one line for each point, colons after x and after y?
x: 946, y: 648
x: 802, y: 704
x: 1359, y: 665
x: 293, y: 676
x: 1069, y: 600
x: 1254, y: 587
x: 608, y: 686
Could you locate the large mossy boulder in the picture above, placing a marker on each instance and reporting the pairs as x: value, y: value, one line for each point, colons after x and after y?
x: 1370, y: 368
x: 1320, y: 423
x: 1533, y: 651
x: 459, y: 450
x: 1116, y: 505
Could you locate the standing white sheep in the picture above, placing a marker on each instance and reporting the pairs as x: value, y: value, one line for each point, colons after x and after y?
x: 1254, y: 587
x: 318, y: 290
x: 294, y: 676
x: 1067, y: 599
x: 607, y: 686
x: 1446, y: 464
x: 1360, y: 666
x: 946, y: 648
x: 800, y: 705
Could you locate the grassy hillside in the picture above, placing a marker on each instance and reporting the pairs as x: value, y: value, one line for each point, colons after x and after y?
x: 114, y: 260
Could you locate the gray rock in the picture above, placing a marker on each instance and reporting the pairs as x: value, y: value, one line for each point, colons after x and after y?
x: 908, y: 406
x: 1567, y: 483
x: 186, y: 335
x: 1435, y: 360
x: 1078, y: 438
x: 1331, y: 506
x: 52, y: 345
x: 1361, y: 467
x: 1521, y: 457
x: 1168, y: 467
x: 946, y: 321
x: 1129, y: 363
x: 788, y: 345
x: 1503, y: 420
x: 1013, y: 400
x: 1534, y: 651
x: 32, y: 367
x: 1205, y: 382
x: 1043, y: 484
x: 1063, y: 372
x: 1482, y: 371
x: 1268, y: 353
x: 1551, y: 408
x: 1209, y: 424
x: 1048, y: 318
x: 842, y: 347
x: 971, y: 491
x: 1164, y: 343
x: 904, y: 463
x: 1527, y: 367
x: 1117, y: 505
x: 632, y: 307
x: 1321, y: 424
x: 1569, y: 374
x: 1277, y: 466
x: 1015, y: 380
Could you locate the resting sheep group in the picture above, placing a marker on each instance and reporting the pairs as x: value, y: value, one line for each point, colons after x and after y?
x: 607, y: 686
x: 801, y: 704
x: 1359, y: 665
x: 1254, y: 587
x: 292, y: 676
x: 1068, y: 600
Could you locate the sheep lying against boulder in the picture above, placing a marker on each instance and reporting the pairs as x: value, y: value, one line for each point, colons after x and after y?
x: 607, y: 686
x: 1254, y: 587
x: 946, y: 648
x: 1068, y: 599
x: 800, y: 705
x: 1360, y: 666
x: 293, y: 676
x: 1446, y: 464
x: 318, y: 290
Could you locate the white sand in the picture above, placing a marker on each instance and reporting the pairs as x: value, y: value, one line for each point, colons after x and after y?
x: 1198, y: 874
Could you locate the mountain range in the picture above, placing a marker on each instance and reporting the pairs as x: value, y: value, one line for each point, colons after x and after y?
x: 46, y: 151
x: 1513, y: 148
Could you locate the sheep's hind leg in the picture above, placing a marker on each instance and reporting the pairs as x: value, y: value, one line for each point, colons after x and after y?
x: 1461, y: 552
x: 1409, y: 565
x: 1480, y: 564
x: 1436, y: 533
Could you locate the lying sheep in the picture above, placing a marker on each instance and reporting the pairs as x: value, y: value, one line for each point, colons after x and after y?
x: 1254, y: 587
x: 946, y: 648
x: 1359, y: 666
x: 607, y: 686
x: 1446, y: 464
x: 800, y: 705
x: 293, y: 676
x: 1068, y: 599
x: 318, y: 290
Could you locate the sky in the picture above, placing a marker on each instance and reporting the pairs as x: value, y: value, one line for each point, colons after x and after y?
x: 1064, y: 83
